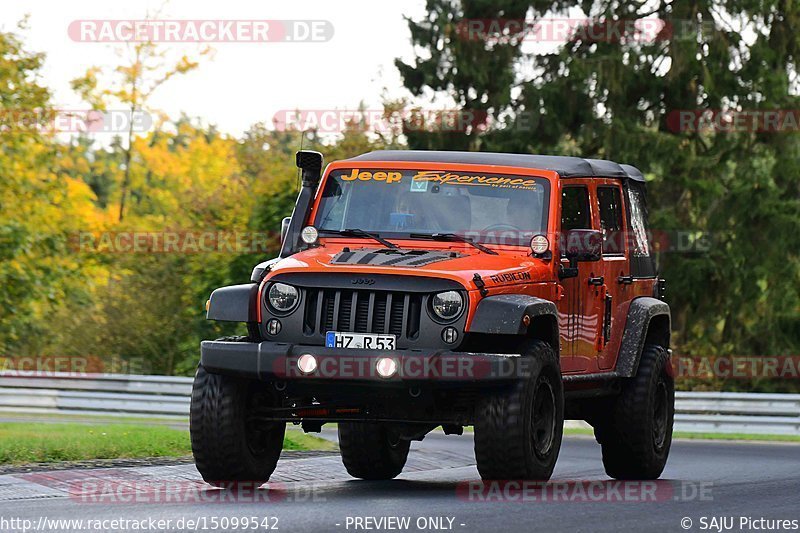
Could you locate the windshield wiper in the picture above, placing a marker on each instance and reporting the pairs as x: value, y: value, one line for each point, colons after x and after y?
x: 453, y: 237
x: 354, y: 232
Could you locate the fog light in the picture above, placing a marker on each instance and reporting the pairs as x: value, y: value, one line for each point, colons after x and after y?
x: 450, y: 335
x: 539, y: 244
x: 309, y: 235
x: 387, y: 367
x: 307, y: 363
x: 274, y: 326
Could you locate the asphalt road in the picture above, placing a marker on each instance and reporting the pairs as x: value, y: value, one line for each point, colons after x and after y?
x: 437, y: 491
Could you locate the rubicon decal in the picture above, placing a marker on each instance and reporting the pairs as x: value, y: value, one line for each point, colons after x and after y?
x: 510, y: 277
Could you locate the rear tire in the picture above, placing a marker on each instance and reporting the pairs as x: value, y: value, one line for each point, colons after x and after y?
x: 370, y: 451
x: 637, y: 436
x: 518, y: 431
x: 229, y: 445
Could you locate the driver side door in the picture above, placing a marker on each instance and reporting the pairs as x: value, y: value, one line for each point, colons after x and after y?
x: 579, y: 310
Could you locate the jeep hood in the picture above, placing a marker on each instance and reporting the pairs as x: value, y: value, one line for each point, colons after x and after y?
x: 447, y: 262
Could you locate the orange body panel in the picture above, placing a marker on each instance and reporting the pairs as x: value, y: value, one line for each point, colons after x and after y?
x: 580, y: 306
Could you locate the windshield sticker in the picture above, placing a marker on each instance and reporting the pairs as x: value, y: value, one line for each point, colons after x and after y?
x: 366, y: 175
x: 446, y: 178
x: 419, y: 186
x: 420, y: 180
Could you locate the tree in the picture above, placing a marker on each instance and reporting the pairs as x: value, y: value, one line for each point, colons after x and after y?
x: 617, y: 98
x: 146, y: 68
x: 41, y: 207
x: 466, y: 53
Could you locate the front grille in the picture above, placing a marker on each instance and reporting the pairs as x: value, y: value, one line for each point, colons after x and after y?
x: 362, y: 311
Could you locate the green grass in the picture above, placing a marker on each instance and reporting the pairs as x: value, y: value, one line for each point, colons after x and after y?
x: 737, y: 436
x: 22, y: 443
x: 706, y: 436
x: 94, y: 420
x: 297, y: 440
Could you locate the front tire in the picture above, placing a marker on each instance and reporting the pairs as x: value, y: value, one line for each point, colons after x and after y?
x: 518, y: 431
x: 637, y: 437
x: 230, y: 445
x: 371, y: 451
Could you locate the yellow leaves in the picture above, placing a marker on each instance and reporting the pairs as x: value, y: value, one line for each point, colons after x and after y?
x: 82, y: 213
x: 189, y: 178
x: 143, y: 69
x: 185, y: 65
x: 87, y: 86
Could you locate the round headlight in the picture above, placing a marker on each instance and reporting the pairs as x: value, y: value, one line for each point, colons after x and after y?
x: 282, y: 297
x: 447, y: 305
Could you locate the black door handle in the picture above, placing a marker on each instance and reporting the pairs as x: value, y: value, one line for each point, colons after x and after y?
x: 625, y: 280
x: 597, y: 281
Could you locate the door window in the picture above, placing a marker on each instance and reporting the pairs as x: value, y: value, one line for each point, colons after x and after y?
x: 609, y: 201
x: 575, y: 212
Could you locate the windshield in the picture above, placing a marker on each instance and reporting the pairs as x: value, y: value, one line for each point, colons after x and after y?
x: 488, y: 208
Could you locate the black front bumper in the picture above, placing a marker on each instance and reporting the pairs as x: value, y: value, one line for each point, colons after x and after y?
x: 271, y: 361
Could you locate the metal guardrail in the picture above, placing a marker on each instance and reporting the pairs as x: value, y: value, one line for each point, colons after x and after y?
x: 116, y: 395
x: 164, y: 397
x: 737, y: 412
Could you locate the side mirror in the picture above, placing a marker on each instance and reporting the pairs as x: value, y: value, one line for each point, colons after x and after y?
x: 285, y: 228
x: 583, y: 245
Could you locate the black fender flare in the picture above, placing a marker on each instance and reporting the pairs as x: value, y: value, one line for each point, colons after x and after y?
x: 234, y: 303
x: 262, y: 269
x: 504, y: 314
x: 640, y: 314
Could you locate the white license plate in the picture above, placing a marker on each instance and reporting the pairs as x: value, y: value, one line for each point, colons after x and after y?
x: 366, y: 341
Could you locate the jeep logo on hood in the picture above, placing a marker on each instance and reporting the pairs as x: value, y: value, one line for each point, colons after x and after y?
x: 363, y: 281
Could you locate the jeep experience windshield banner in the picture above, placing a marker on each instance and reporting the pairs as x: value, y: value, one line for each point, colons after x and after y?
x: 488, y: 208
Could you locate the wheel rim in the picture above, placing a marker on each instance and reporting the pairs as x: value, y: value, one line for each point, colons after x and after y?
x: 660, y: 413
x: 543, y: 418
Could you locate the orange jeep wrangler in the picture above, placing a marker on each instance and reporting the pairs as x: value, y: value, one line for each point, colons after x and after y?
x: 418, y: 289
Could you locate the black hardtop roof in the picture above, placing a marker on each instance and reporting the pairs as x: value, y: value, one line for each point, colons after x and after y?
x: 566, y: 167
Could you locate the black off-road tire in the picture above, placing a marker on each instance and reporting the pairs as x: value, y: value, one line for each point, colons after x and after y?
x: 637, y: 435
x: 370, y: 451
x: 518, y: 430
x: 229, y: 447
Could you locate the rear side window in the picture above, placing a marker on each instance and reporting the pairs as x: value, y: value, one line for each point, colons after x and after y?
x: 642, y: 264
x: 575, y: 209
x: 641, y: 248
x: 609, y: 201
